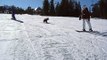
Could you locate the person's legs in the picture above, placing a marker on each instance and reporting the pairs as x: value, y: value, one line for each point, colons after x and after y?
x: 84, y: 25
x: 89, y: 24
x: 13, y: 17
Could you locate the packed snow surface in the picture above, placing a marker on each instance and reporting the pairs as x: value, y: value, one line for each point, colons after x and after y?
x: 28, y: 38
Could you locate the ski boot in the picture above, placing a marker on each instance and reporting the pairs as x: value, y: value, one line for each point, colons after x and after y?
x: 84, y: 30
x: 90, y: 30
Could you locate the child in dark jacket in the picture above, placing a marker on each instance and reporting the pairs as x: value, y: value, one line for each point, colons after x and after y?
x: 13, y: 14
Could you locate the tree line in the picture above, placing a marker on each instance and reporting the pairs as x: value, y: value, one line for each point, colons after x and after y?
x: 63, y: 8
x: 100, y: 9
x: 18, y: 10
x: 73, y: 8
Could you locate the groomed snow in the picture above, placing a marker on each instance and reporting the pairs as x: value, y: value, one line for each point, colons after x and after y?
x: 58, y: 40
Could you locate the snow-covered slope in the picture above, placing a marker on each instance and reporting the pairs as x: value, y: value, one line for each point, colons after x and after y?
x: 35, y: 40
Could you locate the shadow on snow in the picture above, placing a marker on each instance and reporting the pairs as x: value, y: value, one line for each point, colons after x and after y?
x: 19, y: 21
x: 104, y: 34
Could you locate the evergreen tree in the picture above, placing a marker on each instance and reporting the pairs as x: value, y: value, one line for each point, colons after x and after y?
x: 71, y: 5
x: 29, y: 10
x: 57, y: 9
x: 100, y: 9
x: 1, y: 9
x: 103, y: 8
x: 96, y: 10
x: 64, y: 8
x: 20, y: 10
x: 101, y: 3
x: 52, y: 8
x: 46, y: 7
x: 77, y: 9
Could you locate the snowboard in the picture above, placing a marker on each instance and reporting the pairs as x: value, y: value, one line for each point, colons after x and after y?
x: 84, y: 31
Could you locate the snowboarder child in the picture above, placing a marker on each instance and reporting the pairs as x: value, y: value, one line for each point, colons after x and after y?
x: 85, y: 15
x: 13, y: 14
x: 46, y: 20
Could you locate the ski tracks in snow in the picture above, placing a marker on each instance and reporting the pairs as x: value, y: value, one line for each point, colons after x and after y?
x: 53, y: 42
x: 63, y: 48
x: 36, y: 40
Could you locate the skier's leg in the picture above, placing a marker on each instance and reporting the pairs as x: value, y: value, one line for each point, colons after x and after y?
x: 14, y: 17
x: 83, y: 24
x: 89, y: 24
